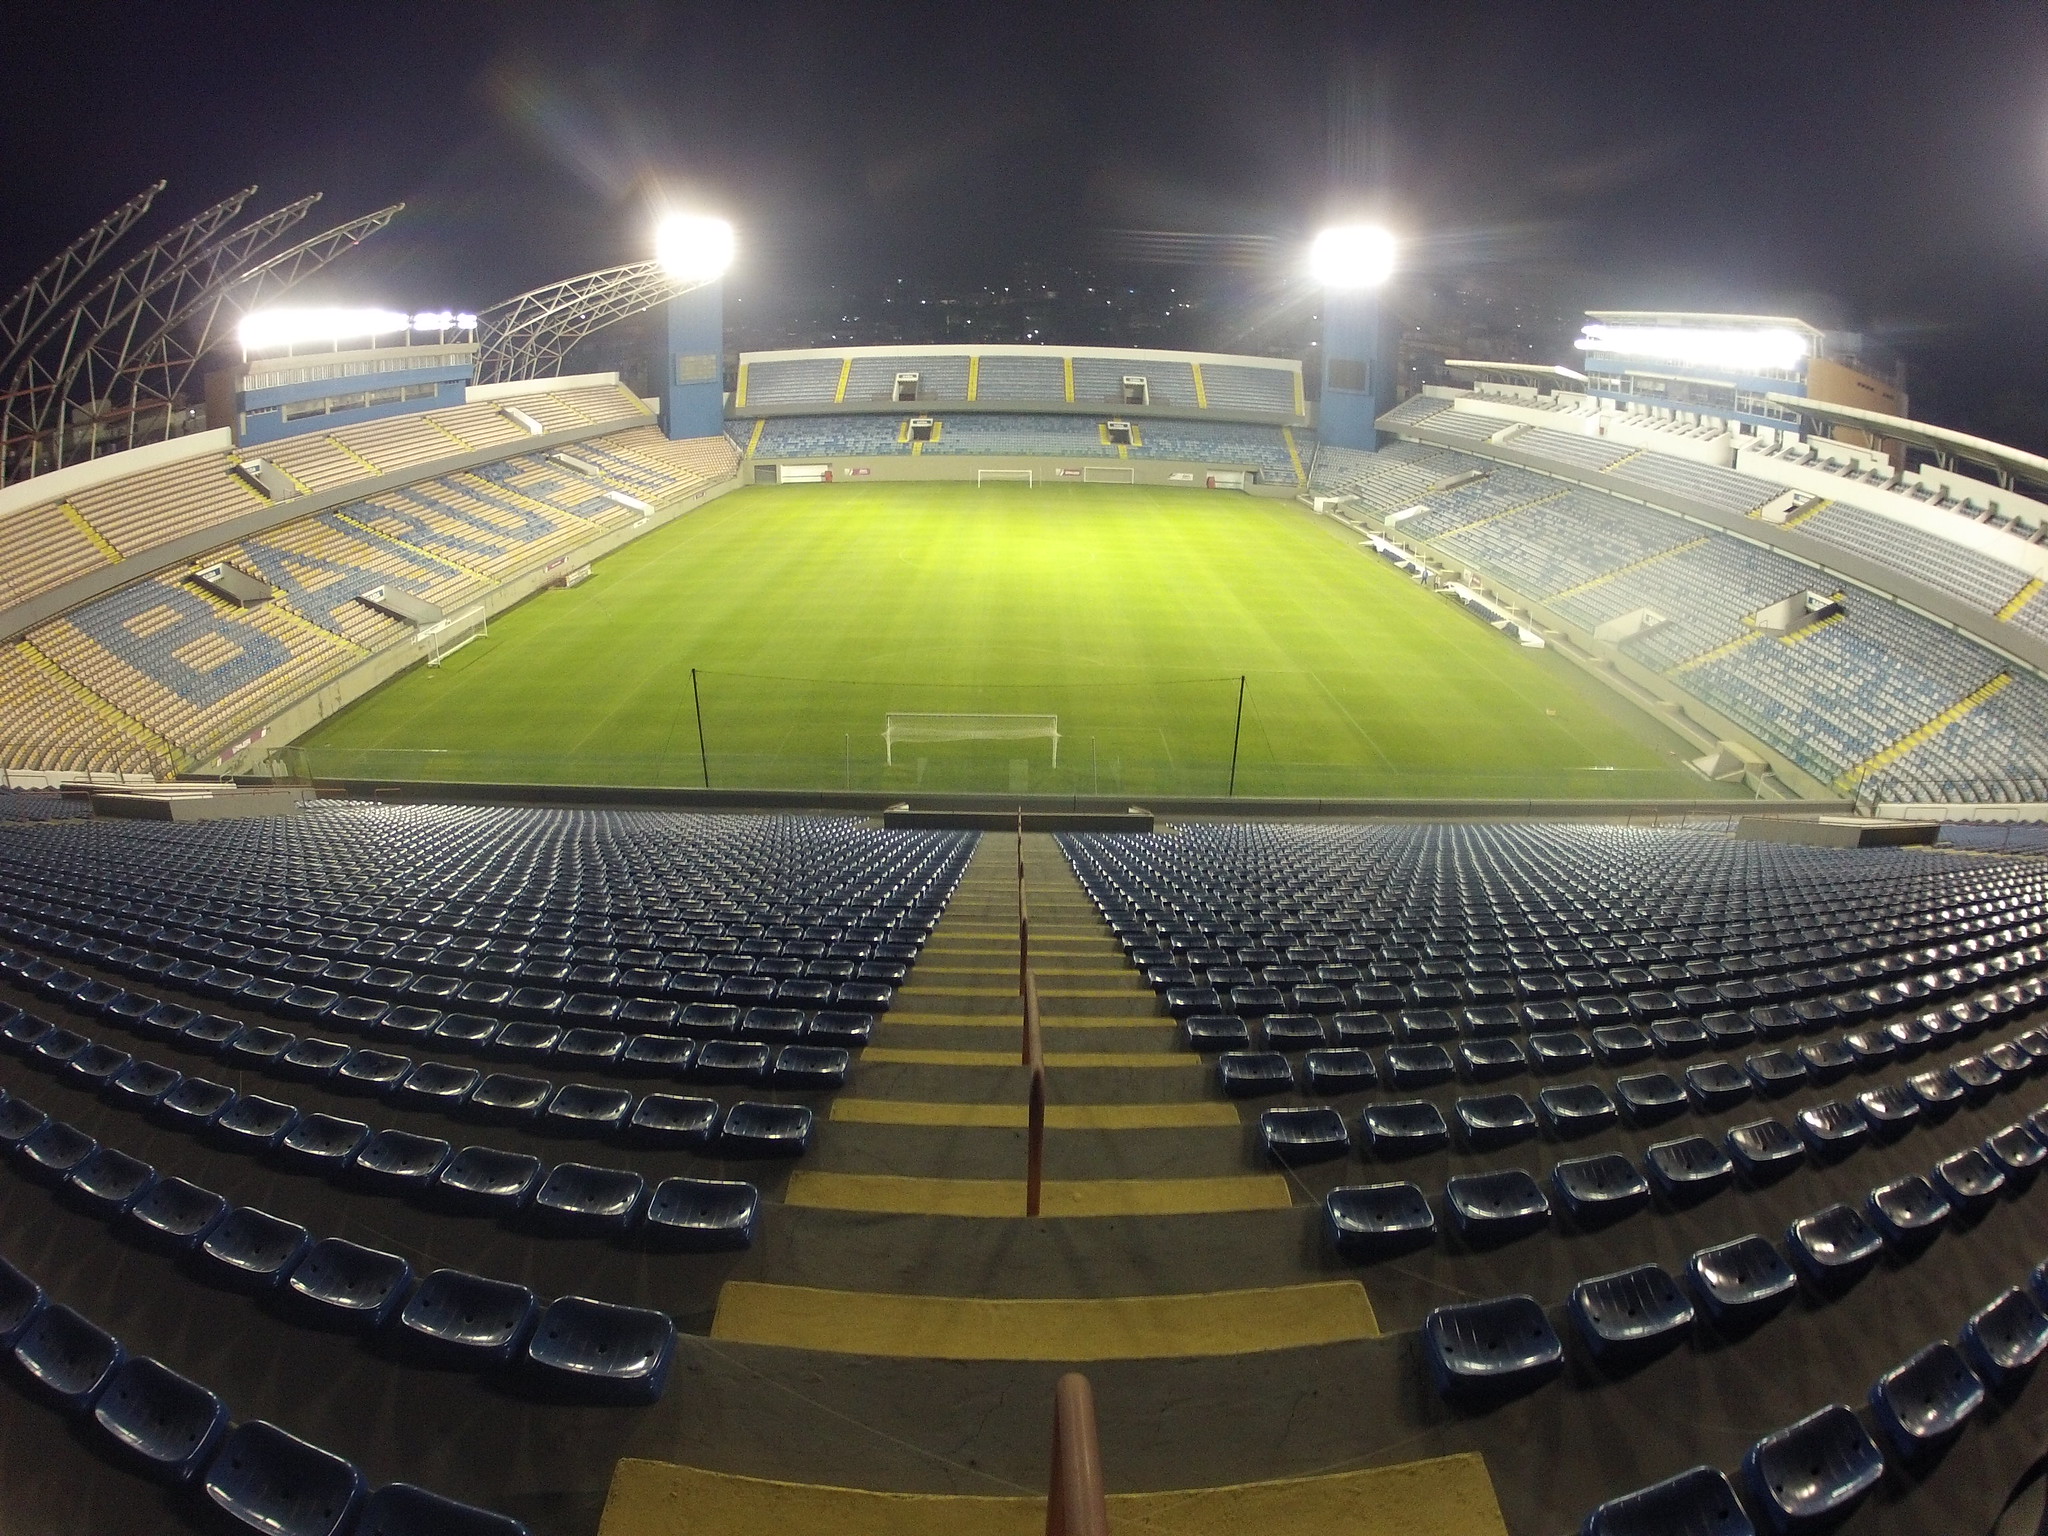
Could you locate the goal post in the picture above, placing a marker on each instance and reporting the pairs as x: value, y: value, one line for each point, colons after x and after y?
x: 452, y: 634
x: 911, y: 727
x: 1003, y: 477
x: 1108, y: 474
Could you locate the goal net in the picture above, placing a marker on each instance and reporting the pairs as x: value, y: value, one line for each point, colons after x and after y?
x: 1002, y: 477
x: 1107, y: 474
x: 907, y: 728
x: 452, y: 634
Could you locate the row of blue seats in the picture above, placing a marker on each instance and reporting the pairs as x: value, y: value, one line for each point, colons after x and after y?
x: 1402, y: 1128
x: 776, y: 1046
x: 1812, y: 1473
x: 568, y: 1199
x: 252, y: 1475
x: 1373, y: 1221
x: 497, y: 1098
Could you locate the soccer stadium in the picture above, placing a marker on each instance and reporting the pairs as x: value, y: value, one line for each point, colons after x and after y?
x: 985, y: 937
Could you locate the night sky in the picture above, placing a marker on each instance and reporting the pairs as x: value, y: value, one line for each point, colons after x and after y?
x: 1881, y: 167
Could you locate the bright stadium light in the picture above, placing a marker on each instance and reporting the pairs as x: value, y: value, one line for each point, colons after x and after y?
x: 1742, y: 351
x: 264, y: 328
x: 1352, y: 256
x: 443, y: 320
x: 693, y: 247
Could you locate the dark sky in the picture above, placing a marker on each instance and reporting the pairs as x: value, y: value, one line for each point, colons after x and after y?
x: 1875, y: 165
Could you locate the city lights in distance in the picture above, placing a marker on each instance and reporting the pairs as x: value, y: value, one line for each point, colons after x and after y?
x: 1352, y: 256
x: 262, y: 329
x: 693, y: 247
x: 1740, y: 351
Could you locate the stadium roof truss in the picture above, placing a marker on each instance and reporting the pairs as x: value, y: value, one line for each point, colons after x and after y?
x: 1528, y: 373
x: 108, y: 372
x: 32, y: 304
x: 529, y: 335
x: 2007, y: 464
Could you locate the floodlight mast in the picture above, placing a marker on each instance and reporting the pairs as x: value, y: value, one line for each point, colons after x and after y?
x: 693, y: 247
x: 1352, y: 263
x: 695, y: 251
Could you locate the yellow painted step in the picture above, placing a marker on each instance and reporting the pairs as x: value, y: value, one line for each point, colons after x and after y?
x: 893, y: 1055
x: 902, y: 1195
x: 1015, y: 1020
x: 1443, y: 1496
x: 1067, y: 1329
x: 1058, y: 1117
x: 1135, y: 989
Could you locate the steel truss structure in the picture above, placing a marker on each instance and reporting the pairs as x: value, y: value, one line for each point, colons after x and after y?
x: 113, y: 370
x: 529, y: 335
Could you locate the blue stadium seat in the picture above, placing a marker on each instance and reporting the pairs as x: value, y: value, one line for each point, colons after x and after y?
x: 172, y: 1216
x: 701, y: 1215
x: 1576, y: 1109
x: 1908, y: 1212
x: 1813, y: 1470
x: 2015, y: 1151
x: 1833, y: 1246
x: 584, y: 1109
x: 1404, y: 1127
x: 1764, y: 1149
x: 342, y: 1285
x: 252, y: 1124
x: 323, y: 1144
x: 485, y: 1181
x: 157, y: 1420
x: 460, y: 1319
x: 1600, y: 1188
x: 1303, y: 1134
x: 252, y: 1251
x: 399, y: 1162
x: 2004, y: 1340
x: 1648, y: 1098
x: 1494, y: 1120
x: 594, y: 1351
x: 1483, y: 1351
x: 1486, y: 1060
x: 504, y: 1098
x: 577, y: 1199
x: 1340, y: 1069
x: 1717, y: 1085
x: 1496, y: 1206
x: 1418, y: 1066
x: 271, y: 1481
x: 753, y: 1129
x: 65, y: 1358
x: 1741, y: 1283
x: 1970, y: 1180
x: 1689, y: 1168
x: 1833, y: 1130
x: 1924, y: 1400
x: 53, y: 1151
x: 1631, y: 1315
x: 1368, y: 1221
x: 1697, y: 1502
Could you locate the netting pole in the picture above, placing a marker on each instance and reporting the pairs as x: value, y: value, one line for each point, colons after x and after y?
x: 1236, y: 733
x: 703, y: 757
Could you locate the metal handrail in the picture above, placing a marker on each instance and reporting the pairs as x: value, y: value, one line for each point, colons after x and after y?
x: 1034, y: 1043
x: 1075, y: 1504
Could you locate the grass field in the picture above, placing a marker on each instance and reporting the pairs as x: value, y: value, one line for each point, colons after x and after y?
x: 811, y: 612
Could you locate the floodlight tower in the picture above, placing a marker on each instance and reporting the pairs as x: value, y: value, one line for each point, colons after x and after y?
x: 1352, y: 262
x: 695, y: 251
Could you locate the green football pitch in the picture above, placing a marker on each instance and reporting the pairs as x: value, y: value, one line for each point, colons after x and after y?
x: 765, y: 640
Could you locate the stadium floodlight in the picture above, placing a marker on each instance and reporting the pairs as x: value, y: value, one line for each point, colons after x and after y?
x: 693, y: 247
x: 443, y: 320
x: 264, y: 328
x: 1352, y: 256
x: 1739, y: 349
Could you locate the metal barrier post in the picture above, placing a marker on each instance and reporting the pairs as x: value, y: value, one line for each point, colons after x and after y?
x: 1034, y: 1140
x: 1075, y: 1504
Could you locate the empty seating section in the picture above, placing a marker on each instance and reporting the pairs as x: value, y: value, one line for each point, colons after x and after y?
x: 1415, y: 410
x: 1236, y: 387
x: 45, y: 548
x: 831, y: 437
x: 1465, y: 427
x: 1006, y: 377
x: 1725, y: 490
x: 1100, y: 381
x: 1878, y: 692
x: 874, y: 378
x: 1977, y: 580
x: 1224, y: 444
x: 1564, y: 542
x: 1356, y: 942
x: 1570, y: 447
x: 1072, y: 437
x: 161, y: 669
x: 145, y: 510
x: 793, y: 381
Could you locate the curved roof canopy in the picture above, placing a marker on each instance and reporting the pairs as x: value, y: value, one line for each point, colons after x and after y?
x: 2008, y: 464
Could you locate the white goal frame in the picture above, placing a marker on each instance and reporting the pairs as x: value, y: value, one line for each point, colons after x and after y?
x: 444, y: 639
x: 933, y: 726
x: 1004, y: 477
x: 1108, y: 474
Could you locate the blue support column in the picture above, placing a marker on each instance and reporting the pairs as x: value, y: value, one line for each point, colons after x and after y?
x: 1358, y: 370
x: 692, y: 365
